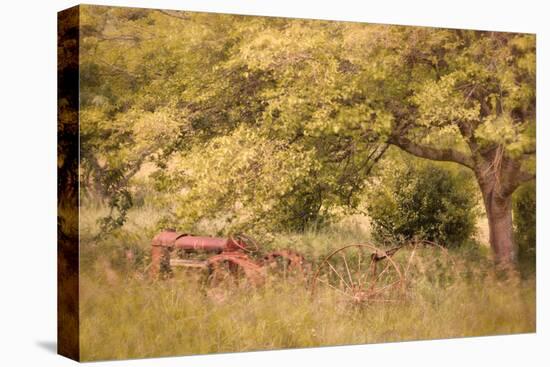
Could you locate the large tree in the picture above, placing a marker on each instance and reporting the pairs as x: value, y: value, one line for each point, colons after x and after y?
x: 180, y: 91
x: 478, y: 88
x: 447, y: 95
x: 326, y: 98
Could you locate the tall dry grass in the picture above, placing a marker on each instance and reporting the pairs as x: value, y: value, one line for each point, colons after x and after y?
x: 126, y: 315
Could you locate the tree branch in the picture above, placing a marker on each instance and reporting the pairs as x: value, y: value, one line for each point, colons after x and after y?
x: 448, y: 155
x: 518, y: 178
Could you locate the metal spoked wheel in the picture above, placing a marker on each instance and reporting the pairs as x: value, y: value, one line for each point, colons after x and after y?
x: 362, y: 274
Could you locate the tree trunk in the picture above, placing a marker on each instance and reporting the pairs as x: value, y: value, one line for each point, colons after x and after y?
x: 498, y: 207
x: 498, y: 177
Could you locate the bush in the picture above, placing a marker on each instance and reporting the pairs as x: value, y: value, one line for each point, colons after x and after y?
x: 427, y: 202
x: 525, y: 217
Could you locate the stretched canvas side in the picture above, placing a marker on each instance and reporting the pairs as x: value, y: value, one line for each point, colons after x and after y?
x: 67, y: 184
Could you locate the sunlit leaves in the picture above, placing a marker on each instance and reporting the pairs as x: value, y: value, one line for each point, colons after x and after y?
x: 277, y: 122
x: 504, y: 131
x: 242, y: 178
x: 440, y: 103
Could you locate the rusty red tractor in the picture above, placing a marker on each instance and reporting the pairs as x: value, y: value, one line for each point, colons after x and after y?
x: 225, y: 257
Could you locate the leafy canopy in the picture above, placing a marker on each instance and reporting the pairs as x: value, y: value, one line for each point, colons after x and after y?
x: 276, y: 123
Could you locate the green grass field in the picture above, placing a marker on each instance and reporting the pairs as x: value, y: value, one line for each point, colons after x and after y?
x: 124, y: 314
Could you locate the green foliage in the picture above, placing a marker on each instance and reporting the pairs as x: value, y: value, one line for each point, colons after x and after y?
x: 525, y: 218
x: 423, y: 201
x: 119, y: 203
x: 244, y: 178
x: 275, y: 124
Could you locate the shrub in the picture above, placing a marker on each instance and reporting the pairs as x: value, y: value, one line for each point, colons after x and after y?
x: 524, y: 211
x: 425, y: 201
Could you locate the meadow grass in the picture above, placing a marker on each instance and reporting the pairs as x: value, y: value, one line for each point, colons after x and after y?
x: 124, y: 314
